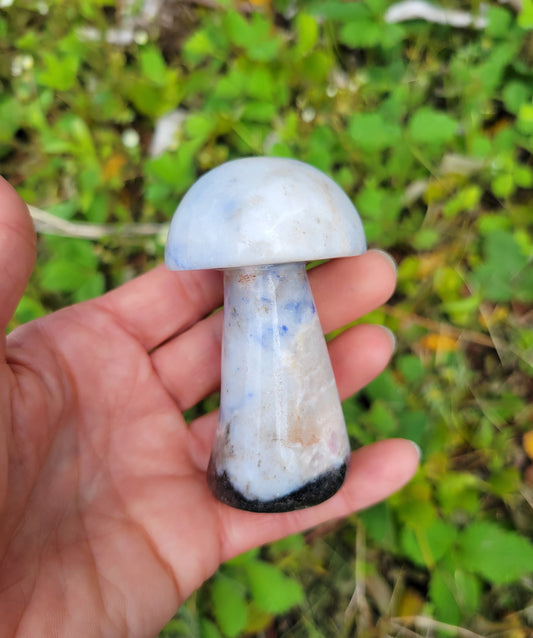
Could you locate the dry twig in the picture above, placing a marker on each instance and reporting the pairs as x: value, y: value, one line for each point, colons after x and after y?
x: 358, y: 606
x: 47, y: 223
x: 442, y: 328
x: 429, y: 624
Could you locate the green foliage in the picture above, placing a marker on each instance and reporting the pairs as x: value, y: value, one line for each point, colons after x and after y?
x: 498, y: 555
x: 72, y: 270
x: 428, y: 126
x: 271, y: 589
x: 506, y: 272
x: 429, y: 129
x: 229, y: 605
x: 247, y: 592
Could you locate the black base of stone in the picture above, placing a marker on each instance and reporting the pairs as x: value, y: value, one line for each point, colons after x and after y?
x: 313, y: 493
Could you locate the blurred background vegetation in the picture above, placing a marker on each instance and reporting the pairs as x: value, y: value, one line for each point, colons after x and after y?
x: 110, y: 109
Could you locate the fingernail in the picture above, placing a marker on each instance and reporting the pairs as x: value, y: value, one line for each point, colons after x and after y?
x: 391, y: 336
x: 387, y: 256
x: 417, y: 448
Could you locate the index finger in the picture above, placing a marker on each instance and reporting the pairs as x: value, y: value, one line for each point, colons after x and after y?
x: 161, y: 303
x: 17, y: 250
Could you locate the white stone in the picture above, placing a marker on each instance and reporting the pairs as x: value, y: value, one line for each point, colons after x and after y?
x: 281, y: 443
x: 281, y: 421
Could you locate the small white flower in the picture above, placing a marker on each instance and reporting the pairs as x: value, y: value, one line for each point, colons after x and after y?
x: 21, y: 63
x: 308, y: 114
x: 130, y: 138
x: 141, y: 37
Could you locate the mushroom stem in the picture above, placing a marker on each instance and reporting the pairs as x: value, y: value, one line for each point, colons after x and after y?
x: 281, y: 442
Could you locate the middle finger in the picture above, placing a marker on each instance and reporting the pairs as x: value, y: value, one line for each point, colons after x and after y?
x: 344, y: 290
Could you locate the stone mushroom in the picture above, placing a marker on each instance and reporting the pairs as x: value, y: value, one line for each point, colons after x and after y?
x: 281, y: 442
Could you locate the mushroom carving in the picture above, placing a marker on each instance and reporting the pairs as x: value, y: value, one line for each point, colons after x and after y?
x: 281, y: 442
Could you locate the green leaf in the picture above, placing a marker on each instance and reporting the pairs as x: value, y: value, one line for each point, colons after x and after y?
x: 317, y: 65
x: 244, y: 558
x: 443, y: 597
x: 428, y: 126
x: 10, y: 117
x: 339, y: 10
x: 254, y: 35
x: 238, y: 28
x: 271, y: 589
x: 261, y: 83
x: 412, y: 425
x: 506, y: 481
x: 428, y: 546
x: 499, y: 22
x: 386, y: 387
x: 29, y: 309
x: 208, y: 42
x: 491, y: 73
x: 525, y: 19
x: 505, y: 273
x: 380, y: 209
x: 174, y: 168
x: 155, y: 99
x: 515, y: 94
x: 371, y: 132
x: 64, y: 276
x: 198, y: 47
x: 458, y: 491
x: 153, y: 65
x: 414, y: 506
x: 455, y: 592
x: 379, y: 524
x: 292, y: 544
x: 208, y: 629
x: 523, y: 176
x: 93, y: 286
x: 60, y: 71
x: 468, y: 590
x: 411, y: 367
x: 499, y: 555
x: 361, y: 34
x: 525, y: 118
x: 503, y: 185
x: 426, y: 238
x: 306, y: 32
x: 259, y: 111
x: 381, y: 418
x: 229, y: 605
x: 199, y: 125
x: 76, y: 251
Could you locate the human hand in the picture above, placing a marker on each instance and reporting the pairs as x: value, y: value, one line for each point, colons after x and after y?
x: 106, y: 521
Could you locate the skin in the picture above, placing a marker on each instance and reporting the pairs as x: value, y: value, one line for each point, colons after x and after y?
x: 106, y: 521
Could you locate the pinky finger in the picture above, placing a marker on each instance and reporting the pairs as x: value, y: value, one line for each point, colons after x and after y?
x: 376, y: 472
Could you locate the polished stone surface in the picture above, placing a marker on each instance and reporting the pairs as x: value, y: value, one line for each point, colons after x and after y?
x: 281, y: 442
x: 262, y: 210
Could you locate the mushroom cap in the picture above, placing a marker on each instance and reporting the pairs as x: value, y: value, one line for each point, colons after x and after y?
x: 259, y: 211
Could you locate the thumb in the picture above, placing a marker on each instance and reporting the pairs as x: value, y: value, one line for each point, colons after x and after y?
x: 17, y: 251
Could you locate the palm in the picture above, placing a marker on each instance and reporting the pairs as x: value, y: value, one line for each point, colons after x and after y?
x: 103, y: 474
x: 107, y: 523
